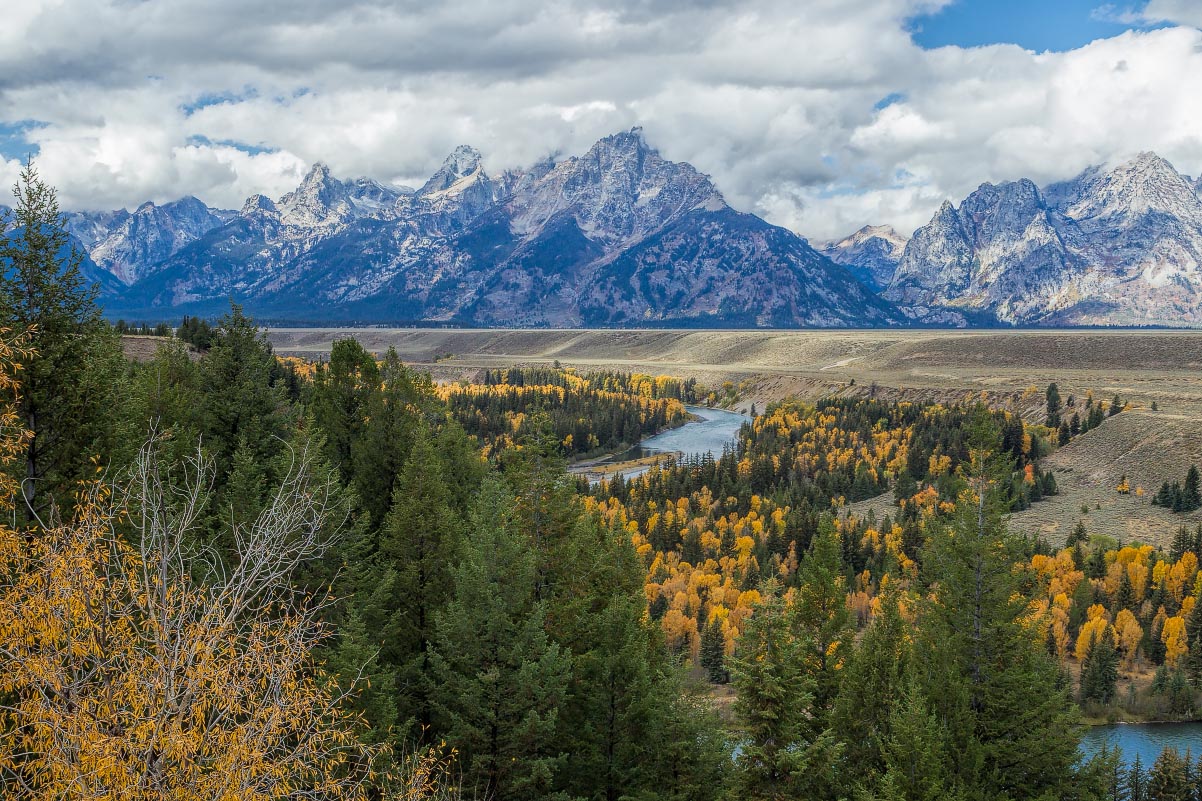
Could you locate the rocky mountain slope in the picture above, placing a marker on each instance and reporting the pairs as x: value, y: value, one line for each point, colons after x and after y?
x: 871, y: 254
x: 618, y: 236
x: 1109, y: 247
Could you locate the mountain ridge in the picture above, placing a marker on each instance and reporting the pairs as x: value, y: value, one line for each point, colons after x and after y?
x: 619, y: 236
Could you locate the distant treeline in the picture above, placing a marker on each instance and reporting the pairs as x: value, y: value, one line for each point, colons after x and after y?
x: 589, y: 413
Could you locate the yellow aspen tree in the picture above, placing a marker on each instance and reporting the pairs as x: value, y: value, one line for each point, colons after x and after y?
x: 1172, y: 634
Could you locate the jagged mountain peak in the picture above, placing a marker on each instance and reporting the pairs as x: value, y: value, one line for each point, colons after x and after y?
x: 886, y: 233
x: 323, y: 201
x: 620, y: 190
x: 871, y: 254
x: 1146, y: 183
x: 462, y: 165
x: 256, y: 204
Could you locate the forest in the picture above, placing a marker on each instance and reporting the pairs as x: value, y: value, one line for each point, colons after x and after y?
x: 225, y: 574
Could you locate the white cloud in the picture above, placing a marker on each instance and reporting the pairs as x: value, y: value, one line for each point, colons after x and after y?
x: 1179, y: 12
x: 777, y: 100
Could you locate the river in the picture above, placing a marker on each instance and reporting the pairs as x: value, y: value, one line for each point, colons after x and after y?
x: 1145, y: 739
x: 712, y: 431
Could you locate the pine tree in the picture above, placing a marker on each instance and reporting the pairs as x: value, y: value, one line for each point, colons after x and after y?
x: 420, y: 542
x: 500, y: 681
x: 392, y: 414
x: 1135, y: 787
x: 69, y: 385
x: 1100, y: 672
x: 873, y: 680
x: 1193, y: 638
x: 1002, y: 698
x: 784, y: 754
x: 821, y: 616
x: 354, y: 661
x: 713, y: 652
x: 1191, y: 495
x: 239, y: 401
x: 1053, y: 406
x: 916, y: 753
x: 1167, y: 780
x: 341, y: 391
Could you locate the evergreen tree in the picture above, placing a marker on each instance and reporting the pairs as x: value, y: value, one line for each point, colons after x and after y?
x: 1053, y: 406
x: 1116, y: 406
x: 1167, y: 781
x: 821, y: 616
x: 873, y: 680
x: 69, y: 385
x: 500, y: 680
x: 392, y: 412
x: 784, y: 754
x: 240, y: 403
x: 420, y: 542
x: 341, y: 391
x: 1191, y: 497
x: 1006, y: 709
x: 1100, y: 672
x: 916, y: 753
x: 1135, y: 787
x: 713, y: 652
x: 1193, y: 638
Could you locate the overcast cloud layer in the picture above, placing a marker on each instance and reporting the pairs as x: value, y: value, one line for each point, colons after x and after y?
x: 820, y: 115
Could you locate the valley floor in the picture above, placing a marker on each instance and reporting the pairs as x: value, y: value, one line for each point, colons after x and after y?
x: 1008, y: 367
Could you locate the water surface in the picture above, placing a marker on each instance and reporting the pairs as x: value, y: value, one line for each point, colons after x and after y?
x: 1145, y: 739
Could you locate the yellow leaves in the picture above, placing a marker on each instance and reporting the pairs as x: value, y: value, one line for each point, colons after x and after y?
x: 1128, y: 635
x: 1172, y: 634
x: 1091, y: 634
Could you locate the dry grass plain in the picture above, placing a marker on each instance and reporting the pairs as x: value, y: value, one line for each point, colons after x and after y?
x: 1006, y: 367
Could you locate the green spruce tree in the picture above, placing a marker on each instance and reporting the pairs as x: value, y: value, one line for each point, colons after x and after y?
x: 500, y: 680
x: 70, y: 384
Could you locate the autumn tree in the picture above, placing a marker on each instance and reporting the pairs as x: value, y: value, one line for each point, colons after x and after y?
x: 141, y: 667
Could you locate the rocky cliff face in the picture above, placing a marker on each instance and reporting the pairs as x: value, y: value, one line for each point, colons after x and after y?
x: 618, y: 236
x: 1114, y: 247
x: 131, y: 246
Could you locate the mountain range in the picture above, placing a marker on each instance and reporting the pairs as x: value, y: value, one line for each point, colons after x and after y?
x: 620, y: 236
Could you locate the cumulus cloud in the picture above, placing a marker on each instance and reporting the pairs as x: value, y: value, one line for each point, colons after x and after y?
x: 822, y: 116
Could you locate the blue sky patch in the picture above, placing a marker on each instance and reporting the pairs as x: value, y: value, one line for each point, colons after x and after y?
x: 207, y: 99
x: 1037, y: 25
x: 13, y: 141
x: 254, y: 150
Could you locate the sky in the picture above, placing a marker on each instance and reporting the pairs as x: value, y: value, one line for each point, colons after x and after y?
x: 818, y: 115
